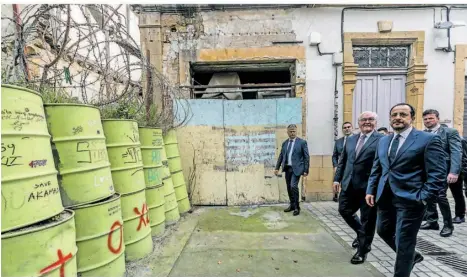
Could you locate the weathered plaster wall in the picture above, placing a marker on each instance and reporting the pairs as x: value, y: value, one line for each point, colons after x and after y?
x: 232, y: 149
x: 242, y: 35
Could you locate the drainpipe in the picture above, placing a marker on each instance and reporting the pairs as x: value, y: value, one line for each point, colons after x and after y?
x: 19, y: 36
x: 448, y: 11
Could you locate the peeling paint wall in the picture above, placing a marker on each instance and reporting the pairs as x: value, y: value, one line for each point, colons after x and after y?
x: 233, y: 148
x: 251, y: 34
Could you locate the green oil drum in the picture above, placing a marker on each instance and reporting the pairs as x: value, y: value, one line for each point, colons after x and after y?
x: 165, y: 165
x: 99, y: 236
x: 47, y: 248
x: 171, y: 137
x: 156, y: 203
x: 172, y: 215
x: 30, y: 191
x: 152, y: 147
x: 136, y: 226
x: 126, y: 162
x: 181, y: 192
x: 172, y: 150
x: 175, y: 164
x: 81, y: 153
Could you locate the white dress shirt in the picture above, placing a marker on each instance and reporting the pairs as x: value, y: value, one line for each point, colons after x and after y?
x: 402, y: 139
x: 289, y: 158
x: 366, y: 138
x: 435, y: 129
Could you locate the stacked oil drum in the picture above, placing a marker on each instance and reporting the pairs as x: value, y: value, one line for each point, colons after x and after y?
x: 81, y: 195
x: 176, y: 171
x: 172, y: 215
x: 87, y: 187
x: 38, y: 234
x: 151, y: 147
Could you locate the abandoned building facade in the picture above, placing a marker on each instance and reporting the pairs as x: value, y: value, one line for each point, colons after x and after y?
x: 251, y: 70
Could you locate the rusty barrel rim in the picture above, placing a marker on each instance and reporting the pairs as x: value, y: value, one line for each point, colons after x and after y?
x: 30, y: 228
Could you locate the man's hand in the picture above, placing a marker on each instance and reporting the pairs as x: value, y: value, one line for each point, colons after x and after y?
x: 452, y: 178
x: 370, y: 200
x: 336, y: 187
x: 276, y: 172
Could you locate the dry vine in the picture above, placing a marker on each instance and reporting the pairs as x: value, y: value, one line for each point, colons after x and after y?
x: 86, y: 54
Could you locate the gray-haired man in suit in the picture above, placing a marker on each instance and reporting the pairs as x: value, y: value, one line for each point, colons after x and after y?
x: 295, y: 162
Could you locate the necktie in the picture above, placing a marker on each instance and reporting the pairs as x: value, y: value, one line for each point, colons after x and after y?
x: 288, y: 151
x: 394, y: 146
x: 428, y: 130
x: 360, y: 144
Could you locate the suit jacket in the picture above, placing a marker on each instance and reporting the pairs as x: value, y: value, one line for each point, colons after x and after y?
x: 453, y: 146
x: 464, y: 157
x: 338, y: 147
x: 417, y: 172
x: 300, y: 157
x: 355, y: 170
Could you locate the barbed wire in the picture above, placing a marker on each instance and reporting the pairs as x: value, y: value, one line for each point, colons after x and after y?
x: 87, y: 52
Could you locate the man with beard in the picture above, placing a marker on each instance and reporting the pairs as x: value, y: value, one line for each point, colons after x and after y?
x: 352, y: 175
x: 453, y: 147
x: 338, y: 147
x: 295, y: 162
x: 408, y: 172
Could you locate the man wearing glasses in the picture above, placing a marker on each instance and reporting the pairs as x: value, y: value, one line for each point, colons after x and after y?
x: 352, y: 175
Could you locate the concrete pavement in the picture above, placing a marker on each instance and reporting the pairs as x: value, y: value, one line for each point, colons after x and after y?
x: 249, y: 241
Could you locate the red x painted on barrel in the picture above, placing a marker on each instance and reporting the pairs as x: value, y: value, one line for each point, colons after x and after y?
x: 142, y: 220
x: 60, y: 263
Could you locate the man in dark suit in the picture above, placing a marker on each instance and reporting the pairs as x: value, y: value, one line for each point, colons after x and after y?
x: 338, y: 147
x: 408, y: 172
x: 464, y: 164
x: 295, y: 162
x: 453, y: 147
x: 352, y: 175
x: 383, y: 131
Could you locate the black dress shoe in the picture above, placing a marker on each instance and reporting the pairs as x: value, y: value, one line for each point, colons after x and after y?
x: 458, y: 220
x: 355, y: 243
x: 358, y: 258
x: 430, y: 226
x: 296, y: 212
x: 447, y: 231
x: 289, y: 209
x: 417, y: 259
